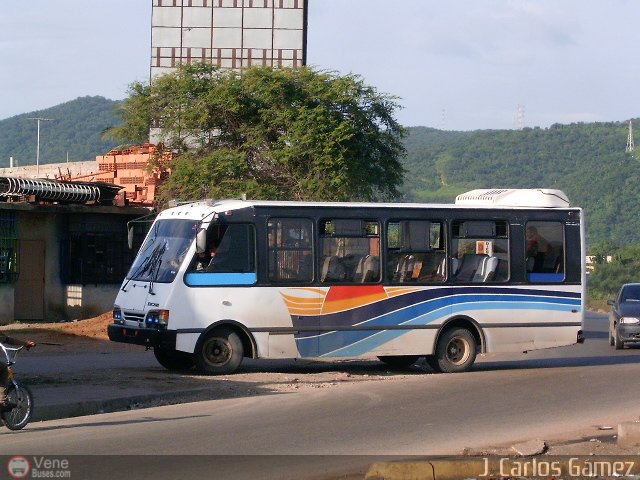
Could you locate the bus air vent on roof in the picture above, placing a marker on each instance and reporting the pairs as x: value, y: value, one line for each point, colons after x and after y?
x: 513, y: 197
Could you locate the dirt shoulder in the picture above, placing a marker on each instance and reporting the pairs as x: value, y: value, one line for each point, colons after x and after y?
x: 68, y: 337
x: 256, y: 378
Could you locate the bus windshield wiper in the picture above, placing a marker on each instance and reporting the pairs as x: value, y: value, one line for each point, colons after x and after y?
x: 154, y: 264
x: 144, y: 266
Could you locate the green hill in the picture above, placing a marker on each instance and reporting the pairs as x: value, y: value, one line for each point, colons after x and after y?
x: 587, y: 161
x: 75, y: 129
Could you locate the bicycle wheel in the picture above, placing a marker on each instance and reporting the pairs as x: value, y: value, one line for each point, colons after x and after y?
x: 18, y: 417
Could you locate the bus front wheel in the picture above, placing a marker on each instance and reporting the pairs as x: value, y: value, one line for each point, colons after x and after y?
x: 219, y: 352
x: 173, y: 359
x: 456, y: 351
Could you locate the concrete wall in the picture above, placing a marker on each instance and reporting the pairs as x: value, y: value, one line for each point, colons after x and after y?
x: 52, y: 170
x: 6, y: 304
x: 86, y: 301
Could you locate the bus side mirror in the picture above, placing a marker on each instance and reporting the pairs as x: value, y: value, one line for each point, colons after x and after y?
x: 201, y: 240
x: 130, y: 236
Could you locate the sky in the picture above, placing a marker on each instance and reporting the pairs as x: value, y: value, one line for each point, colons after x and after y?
x: 453, y: 64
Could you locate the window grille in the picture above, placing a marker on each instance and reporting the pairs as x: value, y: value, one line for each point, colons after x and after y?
x: 97, y: 252
x: 9, y: 251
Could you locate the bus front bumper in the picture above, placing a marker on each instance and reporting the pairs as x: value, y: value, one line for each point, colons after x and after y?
x: 149, y: 337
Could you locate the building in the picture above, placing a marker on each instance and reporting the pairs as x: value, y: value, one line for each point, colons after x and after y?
x: 62, y: 261
x: 233, y: 34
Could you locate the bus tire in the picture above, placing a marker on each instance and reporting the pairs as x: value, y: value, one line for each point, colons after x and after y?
x: 618, y: 344
x: 456, y: 350
x: 219, y: 352
x: 399, y: 361
x: 173, y: 359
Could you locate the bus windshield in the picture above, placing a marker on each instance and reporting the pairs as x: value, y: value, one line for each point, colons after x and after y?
x: 163, y: 251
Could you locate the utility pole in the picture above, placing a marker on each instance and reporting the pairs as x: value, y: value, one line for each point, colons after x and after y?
x: 38, y: 119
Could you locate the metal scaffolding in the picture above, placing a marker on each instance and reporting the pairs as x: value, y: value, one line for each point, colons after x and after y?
x: 57, y: 190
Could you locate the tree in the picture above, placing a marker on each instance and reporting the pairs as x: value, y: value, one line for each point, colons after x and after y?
x: 272, y: 134
x: 607, y: 278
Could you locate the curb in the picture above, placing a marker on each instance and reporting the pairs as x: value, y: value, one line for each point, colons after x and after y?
x: 93, y: 407
x: 629, y: 434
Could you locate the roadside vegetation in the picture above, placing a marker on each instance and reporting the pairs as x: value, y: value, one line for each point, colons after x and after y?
x: 585, y: 160
x: 285, y: 134
x: 608, y: 277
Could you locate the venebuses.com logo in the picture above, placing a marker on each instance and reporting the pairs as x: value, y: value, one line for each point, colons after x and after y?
x: 38, y: 467
x: 18, y: 467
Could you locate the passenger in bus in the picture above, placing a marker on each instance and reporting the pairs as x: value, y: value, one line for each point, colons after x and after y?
x: 305, y: 269
x: 537, y: 249
x: 204, y: 260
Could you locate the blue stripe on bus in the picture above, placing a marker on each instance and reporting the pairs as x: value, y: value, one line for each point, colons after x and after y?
x: 378, y: 314
x: 364, y: 313
x: 358, y: 342
x: 210, y: 278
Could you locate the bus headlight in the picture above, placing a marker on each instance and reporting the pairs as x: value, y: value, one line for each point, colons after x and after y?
x: 117, y: 315
x: 629, y: 320
x: 157, y: 318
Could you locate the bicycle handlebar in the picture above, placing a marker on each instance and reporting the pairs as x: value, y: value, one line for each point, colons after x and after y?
x: 10, y: 353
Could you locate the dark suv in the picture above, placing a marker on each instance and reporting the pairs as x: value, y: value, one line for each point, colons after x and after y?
x: 624, y: 319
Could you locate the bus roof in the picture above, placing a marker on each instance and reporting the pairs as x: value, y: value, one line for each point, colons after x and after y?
x: 482, y: 198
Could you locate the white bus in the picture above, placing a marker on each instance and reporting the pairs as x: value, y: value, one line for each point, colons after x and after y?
x: 498, y: 271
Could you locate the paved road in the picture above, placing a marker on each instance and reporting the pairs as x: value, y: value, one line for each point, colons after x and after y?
x: 505, y: 398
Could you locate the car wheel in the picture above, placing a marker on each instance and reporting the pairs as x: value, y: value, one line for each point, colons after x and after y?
x: 617, y: 341
x: 611, y: 339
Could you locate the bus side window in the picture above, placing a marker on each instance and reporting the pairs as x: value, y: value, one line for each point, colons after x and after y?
x: 290, y: 246
x: 236, y: 250
x: 231, y: 248
x: 544, y: 252
x: 415, y: 251
x: 350, y: 251
x: 480, y: 251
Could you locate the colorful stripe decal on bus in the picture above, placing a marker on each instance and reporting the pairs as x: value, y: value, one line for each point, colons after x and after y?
x: 351, y: 309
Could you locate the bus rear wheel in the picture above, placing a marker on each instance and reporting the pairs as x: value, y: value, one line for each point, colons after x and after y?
x: 456, y: 351
x: 173, y: 359
x: 219, y: 352
x: 399, y: 361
